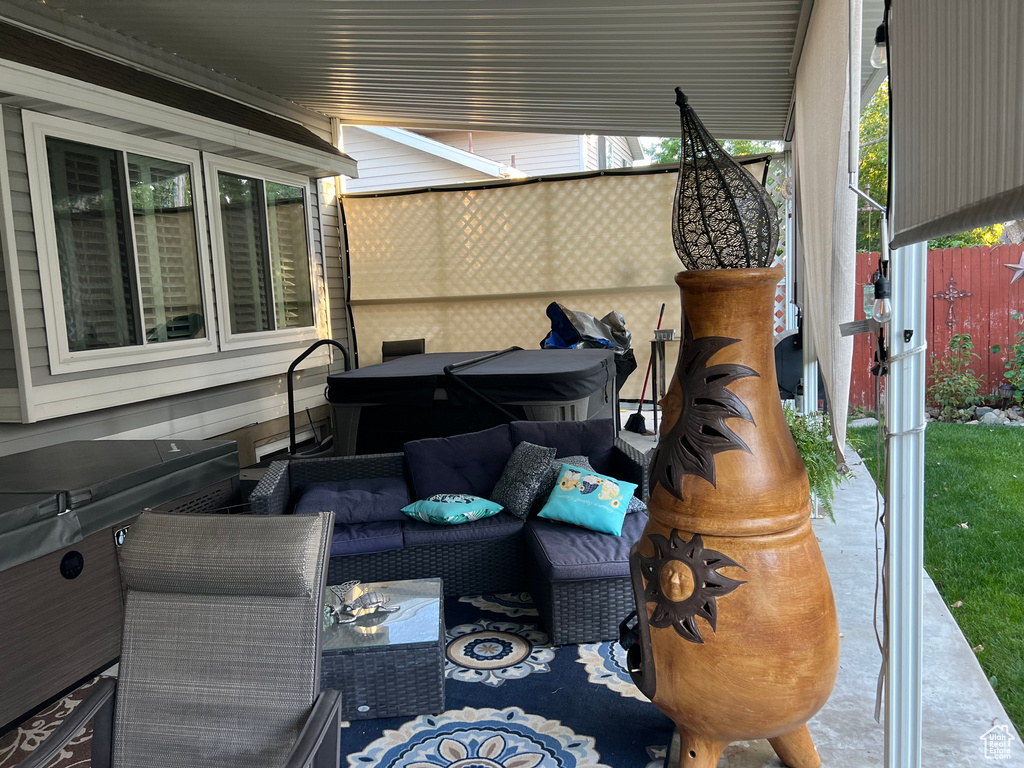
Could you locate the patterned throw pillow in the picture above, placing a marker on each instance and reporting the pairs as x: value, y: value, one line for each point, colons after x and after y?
x: 520, y: 483
x: 551, y: 474
x: 451, y: 509
x: 590, y: 500
x: 636, y: 505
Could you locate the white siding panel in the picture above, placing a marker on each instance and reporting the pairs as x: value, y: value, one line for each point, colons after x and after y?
x: 193, y: 416
x: 334, y: 265
x: 590, y: 148
x: 10, y: 403
x: 535, y: 153
x: 621, y: 149
x: 385, y: 164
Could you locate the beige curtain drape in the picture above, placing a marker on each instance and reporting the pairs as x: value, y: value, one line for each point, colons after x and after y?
x: 473, y: 268
x: 957, y: 116
x: 826, y: 207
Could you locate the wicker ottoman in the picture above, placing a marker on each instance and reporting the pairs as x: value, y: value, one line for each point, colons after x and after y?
x: 387, y: 662
x: 581, y: 585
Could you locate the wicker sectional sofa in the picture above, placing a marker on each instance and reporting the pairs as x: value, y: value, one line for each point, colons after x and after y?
x: 579, y: 578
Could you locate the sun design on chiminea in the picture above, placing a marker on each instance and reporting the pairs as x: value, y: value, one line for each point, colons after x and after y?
x: 700, y: 431
x: 683, y: 582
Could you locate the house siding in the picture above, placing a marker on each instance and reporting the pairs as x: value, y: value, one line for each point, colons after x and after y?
x: 10, y: 405
x: 335, y: 268
x: 173, y: 398
x: 193, y: 416
x: 622, y: 152
x: 535, y: 153
x: 385, y: 164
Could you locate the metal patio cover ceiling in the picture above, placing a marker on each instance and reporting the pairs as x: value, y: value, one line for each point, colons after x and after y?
x: 572, y: 66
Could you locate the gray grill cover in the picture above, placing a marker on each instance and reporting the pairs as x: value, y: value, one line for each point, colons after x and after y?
x: 220, y: 660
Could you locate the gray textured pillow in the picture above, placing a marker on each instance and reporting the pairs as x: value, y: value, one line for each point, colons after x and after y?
x: 520, y: 482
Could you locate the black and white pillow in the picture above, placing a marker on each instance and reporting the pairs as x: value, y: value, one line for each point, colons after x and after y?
x: 521, y: 481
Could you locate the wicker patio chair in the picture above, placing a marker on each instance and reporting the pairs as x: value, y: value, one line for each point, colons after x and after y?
x: 220, y: 659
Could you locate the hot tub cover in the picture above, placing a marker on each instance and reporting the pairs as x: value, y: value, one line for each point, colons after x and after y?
x: 55, y: 496
x: 522, y: 375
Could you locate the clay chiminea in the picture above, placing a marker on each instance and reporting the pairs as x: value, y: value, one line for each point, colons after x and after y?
x: 737, y: 625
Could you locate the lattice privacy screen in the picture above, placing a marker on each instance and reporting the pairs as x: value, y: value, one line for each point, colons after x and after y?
x: 473, y: 269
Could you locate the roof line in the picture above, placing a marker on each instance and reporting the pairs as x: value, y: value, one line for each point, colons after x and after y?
x: 445, y: 151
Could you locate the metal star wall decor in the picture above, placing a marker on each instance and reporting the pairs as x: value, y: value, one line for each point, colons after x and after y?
x: 1018, y: 269
x: 951, y: 294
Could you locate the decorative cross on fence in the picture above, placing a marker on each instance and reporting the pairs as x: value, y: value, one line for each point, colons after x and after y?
x: 951, y: 294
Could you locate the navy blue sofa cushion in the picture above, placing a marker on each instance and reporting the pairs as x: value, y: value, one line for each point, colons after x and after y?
x: 594, y: 438
x: 566, y: 552
x: 364, y: 538
x: 470, y: 463
x: 501, y: 525
x: 363, y: 500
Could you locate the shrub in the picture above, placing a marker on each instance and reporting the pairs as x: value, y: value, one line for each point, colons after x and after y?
x: 1015, y: 365
x: 955, y: 385
x: 813, y: 437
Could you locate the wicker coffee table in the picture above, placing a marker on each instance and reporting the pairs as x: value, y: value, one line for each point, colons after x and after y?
x: 386, y: 662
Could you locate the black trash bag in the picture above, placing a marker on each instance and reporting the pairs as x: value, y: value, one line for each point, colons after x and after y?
x: 578, y: 330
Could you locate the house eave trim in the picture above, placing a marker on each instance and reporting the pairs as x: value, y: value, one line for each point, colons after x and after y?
x: 23, y: 80
x: 444, y: 151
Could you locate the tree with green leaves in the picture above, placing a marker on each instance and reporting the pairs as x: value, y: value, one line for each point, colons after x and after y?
x: 874, y: 177
x: 667, y: 150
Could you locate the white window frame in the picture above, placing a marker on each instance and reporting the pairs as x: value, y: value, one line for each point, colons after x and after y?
x: 214, y: 164
x: 37, y: 128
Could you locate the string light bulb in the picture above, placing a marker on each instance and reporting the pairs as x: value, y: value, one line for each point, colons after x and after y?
x: 879, y: 54
x: 881, y: 310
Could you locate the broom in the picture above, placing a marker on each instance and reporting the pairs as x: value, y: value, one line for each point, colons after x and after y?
x: 636, y: 422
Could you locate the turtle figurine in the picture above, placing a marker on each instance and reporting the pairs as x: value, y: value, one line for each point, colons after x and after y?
x: 368, y: 609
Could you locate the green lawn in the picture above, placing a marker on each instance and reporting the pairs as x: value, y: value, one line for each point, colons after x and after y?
x: 974, y: 541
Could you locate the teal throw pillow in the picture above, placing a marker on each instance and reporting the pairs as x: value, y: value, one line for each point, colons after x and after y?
x: 451, y: 509
x: 585, y: 498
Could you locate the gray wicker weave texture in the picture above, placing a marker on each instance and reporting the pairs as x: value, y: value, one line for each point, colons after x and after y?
x: 220, y: 656
x: 583, y: 611
x: 466, y: 568
x: 387, y: 682
x: 272, y: 493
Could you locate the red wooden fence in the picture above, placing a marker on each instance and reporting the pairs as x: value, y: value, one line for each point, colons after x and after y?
x: 969, y: 291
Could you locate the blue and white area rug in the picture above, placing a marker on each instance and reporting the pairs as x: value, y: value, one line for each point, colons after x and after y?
x: 514, y: 701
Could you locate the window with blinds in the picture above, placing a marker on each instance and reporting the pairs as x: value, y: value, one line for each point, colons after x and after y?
x: 266, y: 256
x: 128, y: 260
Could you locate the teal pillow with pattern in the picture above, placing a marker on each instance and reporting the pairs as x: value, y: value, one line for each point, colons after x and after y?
x: 585, y: 498
x: 451, y: 509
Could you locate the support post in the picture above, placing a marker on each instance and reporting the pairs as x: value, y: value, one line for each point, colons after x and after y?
x: 904, y: 506
x: 810, y: 402
x: 790, y: 252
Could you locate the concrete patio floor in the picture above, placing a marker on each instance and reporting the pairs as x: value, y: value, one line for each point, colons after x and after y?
x: 959, y: 705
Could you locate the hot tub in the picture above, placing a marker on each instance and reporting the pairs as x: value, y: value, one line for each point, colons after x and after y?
x: 378, y: 408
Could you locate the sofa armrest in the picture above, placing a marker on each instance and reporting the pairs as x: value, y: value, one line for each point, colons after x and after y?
x: 306, y: 471
x: 633, y: 466
x: 272, y: 494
